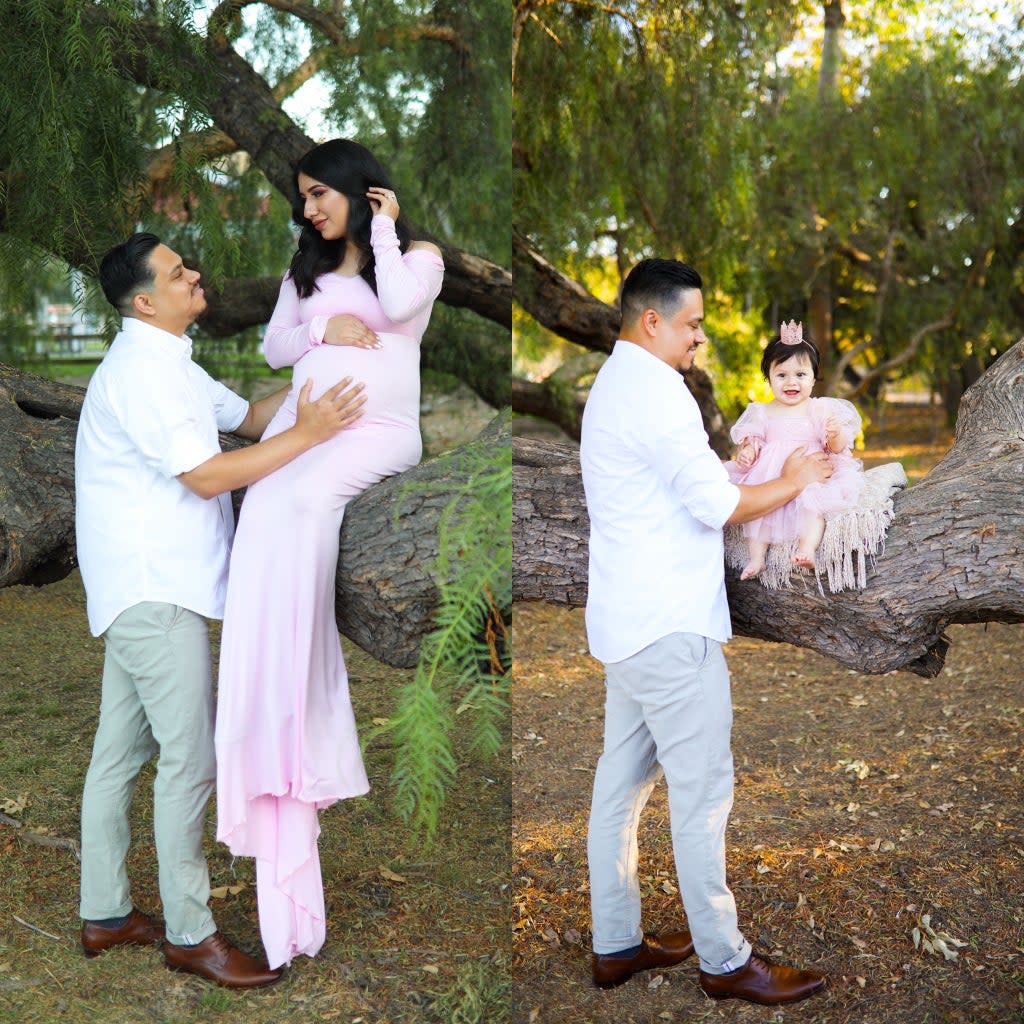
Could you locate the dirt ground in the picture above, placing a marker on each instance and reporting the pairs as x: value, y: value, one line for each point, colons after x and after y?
x: 866, y: 807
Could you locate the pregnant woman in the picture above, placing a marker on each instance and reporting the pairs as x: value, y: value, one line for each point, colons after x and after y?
x: 355, y: 302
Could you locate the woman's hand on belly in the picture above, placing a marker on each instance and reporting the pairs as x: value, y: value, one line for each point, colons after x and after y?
x: 345, y: 329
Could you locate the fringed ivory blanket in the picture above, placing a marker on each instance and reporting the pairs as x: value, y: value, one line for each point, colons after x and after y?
x: 851, y: 538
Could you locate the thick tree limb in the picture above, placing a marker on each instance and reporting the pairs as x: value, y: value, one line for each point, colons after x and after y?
x: 386, y: 593
x: 955, y: 552
x: 560, y: 406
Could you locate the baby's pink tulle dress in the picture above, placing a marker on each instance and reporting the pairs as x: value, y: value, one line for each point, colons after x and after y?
x: 775, y: 437
x: 286, y: 735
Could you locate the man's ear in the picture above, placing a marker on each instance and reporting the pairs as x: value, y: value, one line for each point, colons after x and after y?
x: 649, y: 321
x: 142, y: 303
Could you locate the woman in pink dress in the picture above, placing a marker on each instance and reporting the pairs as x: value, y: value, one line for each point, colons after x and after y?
x: 355, y: 302
x: 768, y: 432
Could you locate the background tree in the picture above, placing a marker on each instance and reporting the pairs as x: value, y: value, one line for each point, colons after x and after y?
x: 854, y: 165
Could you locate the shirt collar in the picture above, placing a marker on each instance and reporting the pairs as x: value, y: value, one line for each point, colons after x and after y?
x: 638, y: 354
x: 133, y: 329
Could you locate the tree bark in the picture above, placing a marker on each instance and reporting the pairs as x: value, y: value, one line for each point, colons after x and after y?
x: 562, y: 305
x: 953, y: 553
x: 386, y: 594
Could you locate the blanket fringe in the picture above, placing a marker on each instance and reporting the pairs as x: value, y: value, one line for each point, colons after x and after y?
x: 849, y: 546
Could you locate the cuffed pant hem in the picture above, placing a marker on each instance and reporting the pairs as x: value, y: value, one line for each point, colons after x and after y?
x: 734, y: 963
x: 191, y: 938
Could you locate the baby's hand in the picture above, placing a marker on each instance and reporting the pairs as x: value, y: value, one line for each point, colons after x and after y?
x: 746, y: 456
x: 834, y: 433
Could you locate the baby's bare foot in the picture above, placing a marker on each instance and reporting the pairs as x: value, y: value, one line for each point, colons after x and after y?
x: 753, y: 568
x: 803, y: 560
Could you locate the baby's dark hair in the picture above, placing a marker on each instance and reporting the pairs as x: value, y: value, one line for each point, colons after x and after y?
x: 778, y: 351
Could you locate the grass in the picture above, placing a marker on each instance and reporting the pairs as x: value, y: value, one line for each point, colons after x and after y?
x: 431, y: 949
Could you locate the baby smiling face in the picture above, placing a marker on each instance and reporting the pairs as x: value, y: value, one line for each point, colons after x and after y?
x: 792, y: 380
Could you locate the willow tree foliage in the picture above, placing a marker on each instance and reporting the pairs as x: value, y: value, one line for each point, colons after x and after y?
x: 865, y: 153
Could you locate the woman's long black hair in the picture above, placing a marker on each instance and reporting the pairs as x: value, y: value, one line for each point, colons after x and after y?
x: 350, y: 168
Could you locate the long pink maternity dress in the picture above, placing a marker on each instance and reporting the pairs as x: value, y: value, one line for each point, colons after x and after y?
x: 286, y: 735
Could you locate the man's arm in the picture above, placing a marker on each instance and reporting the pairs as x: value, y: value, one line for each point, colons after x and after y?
x: 315, y: 422
x: 260, y: 414
x: 798, y: 471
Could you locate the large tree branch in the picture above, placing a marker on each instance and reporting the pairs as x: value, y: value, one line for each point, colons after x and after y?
x: 544, y: 399
x: 953, y: 552
x: 559, y: 303
x: 386, y: 593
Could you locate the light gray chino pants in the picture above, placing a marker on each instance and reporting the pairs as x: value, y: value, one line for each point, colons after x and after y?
x: 668, y: 710
x: 157, y: 697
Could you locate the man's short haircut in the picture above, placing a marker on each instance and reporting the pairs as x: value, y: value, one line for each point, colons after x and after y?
x: 125, y: 270
x: 656, y: 284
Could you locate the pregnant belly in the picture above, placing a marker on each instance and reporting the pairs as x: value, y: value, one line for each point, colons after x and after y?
x: 391, y: 375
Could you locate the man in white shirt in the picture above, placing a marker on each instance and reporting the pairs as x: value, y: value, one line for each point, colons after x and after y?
x: 154, y: 527
x: 658, y: 498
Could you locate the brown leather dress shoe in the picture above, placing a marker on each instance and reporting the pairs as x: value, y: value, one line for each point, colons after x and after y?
x: 217, y: 960
x: 761, y: 981
x: 666, y: 951
x: 138, y: 930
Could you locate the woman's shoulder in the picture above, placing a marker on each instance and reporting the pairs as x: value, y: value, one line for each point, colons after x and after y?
x: 421, y: 245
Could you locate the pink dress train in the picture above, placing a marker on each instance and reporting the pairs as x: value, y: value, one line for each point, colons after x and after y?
x: 776, y: 437
x: 286, y: 735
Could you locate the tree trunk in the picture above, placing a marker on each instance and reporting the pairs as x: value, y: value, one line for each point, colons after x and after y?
x: 953, y: 553
x: 562, y: 305
x: 386, y: 594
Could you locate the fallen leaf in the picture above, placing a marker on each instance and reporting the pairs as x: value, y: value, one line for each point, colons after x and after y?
x: 430, y: 968
x: 14, y: 804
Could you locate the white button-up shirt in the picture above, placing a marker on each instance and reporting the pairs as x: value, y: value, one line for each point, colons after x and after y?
x: 658, y: 497
x: 150, y: 413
